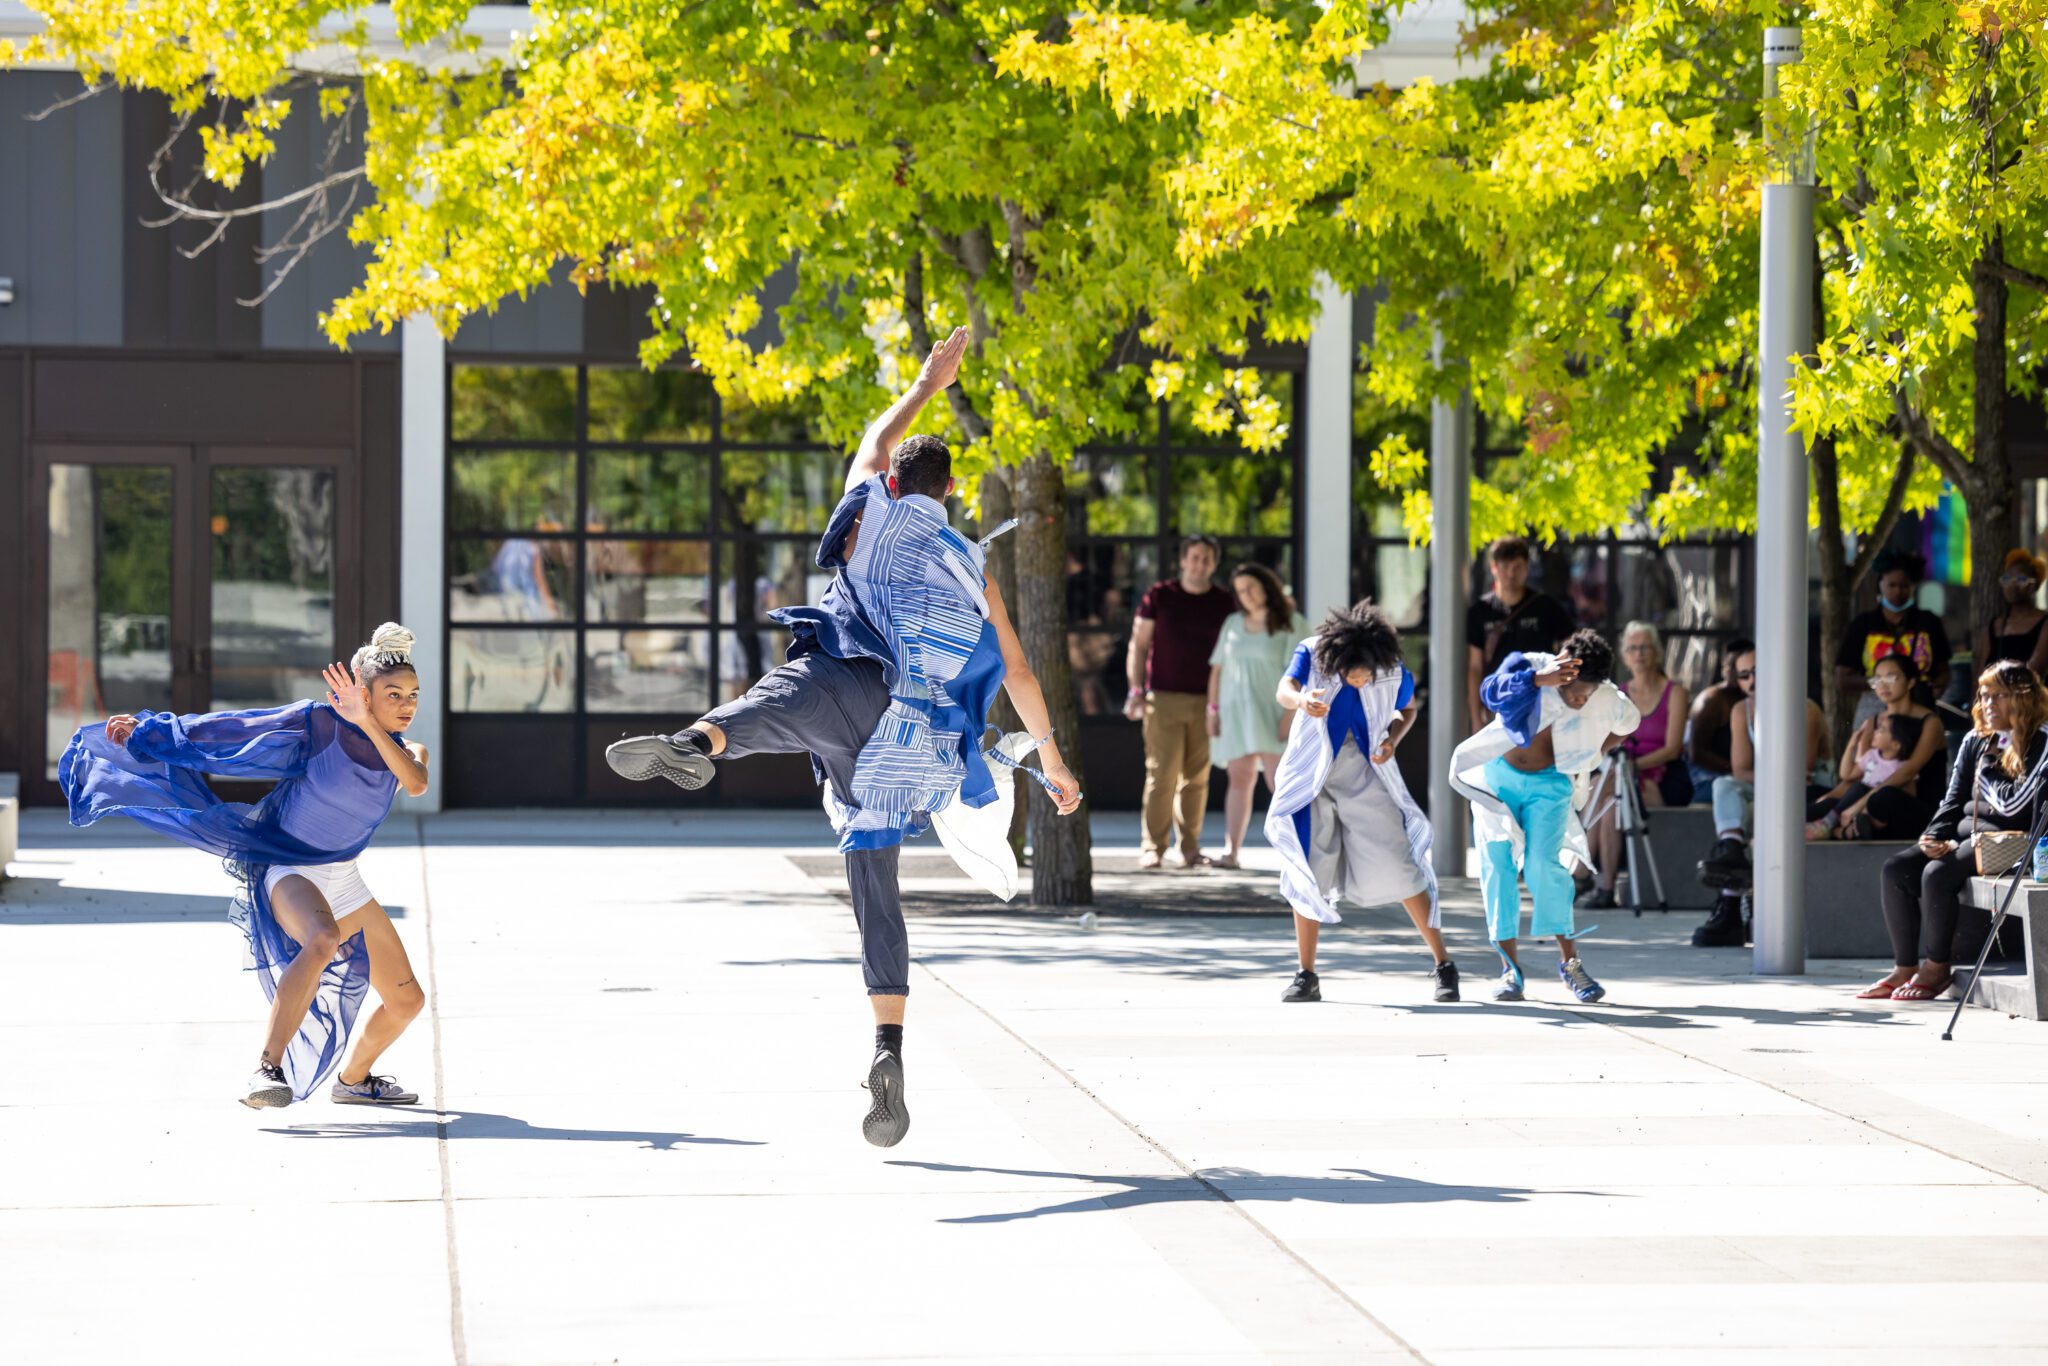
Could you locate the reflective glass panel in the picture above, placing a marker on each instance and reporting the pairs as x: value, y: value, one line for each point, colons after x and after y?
x: 788, y: 424
x: 665, y: 405
x: 513, y: 490
x: 649, y: 491
x: 273, y: 585
x: 517, y: 579
x: 512, y: 403
x: 1097, y: 659
x: 744, y: 654
x: 1240, y: 494
x: 756, y: 577
x: 1105, y: 582
x: 656, y: 581
x: 1112, y: 495
x: 665, y: 671
x: 781, y: 491
x: 109, y: 596
x: 511, y: 671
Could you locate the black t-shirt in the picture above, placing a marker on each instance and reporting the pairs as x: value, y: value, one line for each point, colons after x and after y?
x: 1542, y: 624
x: 1870, y: 638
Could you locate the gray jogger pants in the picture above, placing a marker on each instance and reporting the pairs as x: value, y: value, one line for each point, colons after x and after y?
x: 828, y: 708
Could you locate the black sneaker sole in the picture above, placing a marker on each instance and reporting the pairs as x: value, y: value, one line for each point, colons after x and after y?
x: 1294, y: 998
x: 652, y: 756
x: 888, y: 1118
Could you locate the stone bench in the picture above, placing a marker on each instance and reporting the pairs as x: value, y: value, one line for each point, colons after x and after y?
x: 1680, y: 837
x: 1844, y: 914
x: 2017, y: 988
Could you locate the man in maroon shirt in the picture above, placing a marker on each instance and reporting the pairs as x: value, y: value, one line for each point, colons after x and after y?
x: 1171, y: 641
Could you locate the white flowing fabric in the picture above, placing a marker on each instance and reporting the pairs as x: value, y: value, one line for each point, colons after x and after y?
x: 1576, y: 735
x: 1303, y: 770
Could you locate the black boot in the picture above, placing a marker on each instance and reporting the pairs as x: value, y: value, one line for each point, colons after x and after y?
x: 1723, y: 927
x: 1726, y: 864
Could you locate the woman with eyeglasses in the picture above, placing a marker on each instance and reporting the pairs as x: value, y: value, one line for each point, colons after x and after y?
x: 1878, y: 797
x: 2015, y: 633
x: 1996, y: 785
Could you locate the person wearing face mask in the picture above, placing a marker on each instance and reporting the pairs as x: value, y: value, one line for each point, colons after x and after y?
x: 1996, y: 785
x: 2015, y: 633
x: 1894, y: 627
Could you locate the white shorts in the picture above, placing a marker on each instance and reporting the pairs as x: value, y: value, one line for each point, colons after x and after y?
x: 341, y: 883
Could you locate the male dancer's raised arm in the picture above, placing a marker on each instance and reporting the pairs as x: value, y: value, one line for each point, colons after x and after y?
x: 883, y: 435
x: 1029, y: 700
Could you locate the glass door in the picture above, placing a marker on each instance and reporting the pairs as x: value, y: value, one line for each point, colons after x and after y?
x: 183, y: 579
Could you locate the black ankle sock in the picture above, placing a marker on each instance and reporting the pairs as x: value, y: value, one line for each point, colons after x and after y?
x: 889, y: 1038
x: 693, y: 739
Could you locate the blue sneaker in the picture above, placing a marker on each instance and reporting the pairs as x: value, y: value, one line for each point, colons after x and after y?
x: 1575, y: 976
x: 371, y: 1091
x: 1509, y: 987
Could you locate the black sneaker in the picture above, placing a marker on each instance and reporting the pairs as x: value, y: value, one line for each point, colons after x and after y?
x: 1305, y: 987
x: 1599, y: 899
x: 1446, y: 977
x: 888, y: 1117
x: 1723, y: 927
x: 1726, y: 864
x: 658, y: 756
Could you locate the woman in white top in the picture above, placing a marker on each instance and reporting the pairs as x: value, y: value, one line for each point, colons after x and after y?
x: 1247, y: 726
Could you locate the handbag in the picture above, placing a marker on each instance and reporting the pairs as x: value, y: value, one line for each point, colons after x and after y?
x: 1998, y: 851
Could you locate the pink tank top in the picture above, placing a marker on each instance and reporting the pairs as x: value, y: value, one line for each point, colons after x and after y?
x: 1648, y: 737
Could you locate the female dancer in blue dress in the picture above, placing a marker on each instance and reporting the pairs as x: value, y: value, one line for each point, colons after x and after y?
x: 317, y: 938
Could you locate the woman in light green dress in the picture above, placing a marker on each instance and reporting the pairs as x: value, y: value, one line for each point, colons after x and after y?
x: 1247, y: 726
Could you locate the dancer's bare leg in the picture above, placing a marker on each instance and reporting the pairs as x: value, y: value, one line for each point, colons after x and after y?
x: 302, y: 913
x: 888, y: 1009
x: 1306, y: 933
x: 1417, y: 907
x: 399, y: 997
x: 1506, y: 948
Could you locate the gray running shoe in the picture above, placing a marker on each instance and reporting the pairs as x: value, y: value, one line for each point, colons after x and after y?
x: 1509, y: 987
x: 888, y: 1118
x: 657, y: 756
x: 1306, y: 986
x: 1574, y: 975
x: 371, y: 1090
x: 267, y: 1089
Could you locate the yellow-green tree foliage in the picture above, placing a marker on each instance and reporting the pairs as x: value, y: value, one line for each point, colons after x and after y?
x: 1579, y: 221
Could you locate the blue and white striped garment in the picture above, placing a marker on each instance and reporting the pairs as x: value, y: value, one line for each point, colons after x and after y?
x: 1303, y: 770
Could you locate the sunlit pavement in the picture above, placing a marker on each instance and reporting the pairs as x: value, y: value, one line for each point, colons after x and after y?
x: 638, y: 1139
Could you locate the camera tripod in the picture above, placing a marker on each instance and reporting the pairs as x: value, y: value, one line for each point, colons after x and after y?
x: 1625, y: 795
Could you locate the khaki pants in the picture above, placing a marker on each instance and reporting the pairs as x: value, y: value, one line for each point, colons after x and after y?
x: 1176, y: 769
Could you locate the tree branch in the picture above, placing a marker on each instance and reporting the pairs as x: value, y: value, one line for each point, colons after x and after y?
x: 1894, y: 504
x: 2013, y: 274
x: 1932, y: 445
x: 972, y: 424
x: 80, y: 98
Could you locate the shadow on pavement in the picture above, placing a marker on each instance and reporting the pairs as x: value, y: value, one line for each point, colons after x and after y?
x: 49, y: 901
x: 1246, y: 1187
x: 477, y: 1124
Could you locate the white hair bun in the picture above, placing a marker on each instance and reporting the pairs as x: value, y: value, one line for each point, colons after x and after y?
x: 392, y: 641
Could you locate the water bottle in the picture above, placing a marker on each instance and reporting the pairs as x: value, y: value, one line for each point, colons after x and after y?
x: 2041, y: 859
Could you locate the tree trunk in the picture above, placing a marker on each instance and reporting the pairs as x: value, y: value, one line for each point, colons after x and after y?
x: 1988, y: 489
x: 996, y: 508
x: 1062, y: 872
x: 1835, y: 589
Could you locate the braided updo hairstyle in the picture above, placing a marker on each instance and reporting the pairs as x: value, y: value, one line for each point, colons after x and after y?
x: 389, y: 650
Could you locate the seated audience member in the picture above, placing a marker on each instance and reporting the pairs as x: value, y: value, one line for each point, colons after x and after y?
x: 1726, y: 867
x: 1996, y: 785
x: 1658, y: 747
x: 1894, y: 627
x: 1707, y: 733
x: 2015, y: 633
x: 1892, y: 771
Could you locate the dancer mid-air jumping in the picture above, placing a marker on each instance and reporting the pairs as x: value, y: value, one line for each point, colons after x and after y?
x: 317, y: 938
x: 887, y: 687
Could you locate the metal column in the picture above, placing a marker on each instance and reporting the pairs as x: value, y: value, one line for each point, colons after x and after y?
x: 1326, y: 458
x: 1450, y: 562
x: 1784, y: 334
x: 422, y: 554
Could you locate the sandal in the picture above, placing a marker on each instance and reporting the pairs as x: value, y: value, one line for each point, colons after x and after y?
x: 1224, y: 861
x: 1882, y: 990
x: 1915, y: 990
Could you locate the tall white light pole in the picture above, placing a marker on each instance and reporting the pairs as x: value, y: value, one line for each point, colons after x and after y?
x: 1450, y: 566
x: 1784, y: 334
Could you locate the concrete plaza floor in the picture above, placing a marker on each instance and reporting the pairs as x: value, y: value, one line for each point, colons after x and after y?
x: 638, y: 1139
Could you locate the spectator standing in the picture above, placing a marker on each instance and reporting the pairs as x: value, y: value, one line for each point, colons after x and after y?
x: 1883, y: 795
x: 1171, y: 641
x: 1996, y: 786
x: 2015, y: 633
x: 1513, y: 617
x: 1708, y: 736
x: 1247, y: 725
x: 1658, y: 746
x: 1894, y: 627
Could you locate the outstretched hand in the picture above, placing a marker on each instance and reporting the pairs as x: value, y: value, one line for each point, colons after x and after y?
x: 347, y: 695
x: 942, y: 366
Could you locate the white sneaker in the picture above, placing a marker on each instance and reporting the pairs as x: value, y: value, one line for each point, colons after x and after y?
x: 267, y: 1089
x: 371, y: 1091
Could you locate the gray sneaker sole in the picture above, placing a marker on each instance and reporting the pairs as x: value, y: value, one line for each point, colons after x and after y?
x: 365, y: 1100
x: 888, y: 1118
x: 652, y: 756
x: 270, y: 1098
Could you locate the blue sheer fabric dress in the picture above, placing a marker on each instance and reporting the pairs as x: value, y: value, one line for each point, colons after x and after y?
x: 333, y: 791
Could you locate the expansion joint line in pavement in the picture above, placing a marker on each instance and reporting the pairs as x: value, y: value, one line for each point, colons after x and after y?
x: 457, y: 1344
x: 1621, y: 1027
x: 1215, y: 1191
